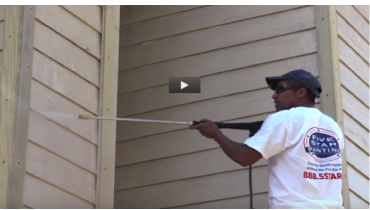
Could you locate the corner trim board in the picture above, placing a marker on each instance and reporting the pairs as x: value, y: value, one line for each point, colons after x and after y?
x: 108, y: 107
x: 15, y: 99
x: 329, y: 75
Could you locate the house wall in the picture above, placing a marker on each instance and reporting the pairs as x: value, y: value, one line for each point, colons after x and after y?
x: 62, y: 151
x: 353, y: 46
x: 232, y: 49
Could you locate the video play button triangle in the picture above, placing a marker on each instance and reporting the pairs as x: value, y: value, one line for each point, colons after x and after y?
x: 183, y: 85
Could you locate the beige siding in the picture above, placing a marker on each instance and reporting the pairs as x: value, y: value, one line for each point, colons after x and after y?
x: 232, y: 49
x: 62, y: 152
x: 353, y: 46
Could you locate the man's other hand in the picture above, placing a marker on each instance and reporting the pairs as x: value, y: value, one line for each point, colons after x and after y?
x: 207, y: 128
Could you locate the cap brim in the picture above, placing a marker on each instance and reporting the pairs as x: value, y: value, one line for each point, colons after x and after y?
x: 273, y: 81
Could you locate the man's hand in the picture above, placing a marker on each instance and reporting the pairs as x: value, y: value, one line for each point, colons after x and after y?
x: 207, y: 128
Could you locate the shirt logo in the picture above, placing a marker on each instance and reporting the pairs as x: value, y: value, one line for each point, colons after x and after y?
x: 322, y: 145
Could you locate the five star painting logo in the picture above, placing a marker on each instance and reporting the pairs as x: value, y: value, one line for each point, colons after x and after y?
x: 322, y: 145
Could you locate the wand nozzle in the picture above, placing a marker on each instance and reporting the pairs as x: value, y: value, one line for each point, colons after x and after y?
x: 84, y: 117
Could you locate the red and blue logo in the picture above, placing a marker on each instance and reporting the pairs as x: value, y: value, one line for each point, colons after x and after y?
x: 323, y: 145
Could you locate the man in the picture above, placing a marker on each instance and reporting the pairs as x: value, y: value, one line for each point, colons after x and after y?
x: 302, y: 145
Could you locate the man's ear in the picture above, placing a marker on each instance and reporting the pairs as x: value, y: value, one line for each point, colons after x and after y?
x: 302, y: 93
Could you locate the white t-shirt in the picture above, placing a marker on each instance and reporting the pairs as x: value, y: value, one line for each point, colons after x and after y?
x: 303, y: 147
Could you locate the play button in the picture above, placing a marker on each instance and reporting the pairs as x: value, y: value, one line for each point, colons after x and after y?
x: 183, y: 85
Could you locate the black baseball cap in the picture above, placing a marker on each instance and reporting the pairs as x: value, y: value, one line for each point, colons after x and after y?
x: 303, y: 77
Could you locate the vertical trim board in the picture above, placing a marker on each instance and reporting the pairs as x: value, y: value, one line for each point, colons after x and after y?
x: 15, y: 102
x: 329, y: 75
x: 108, y: 107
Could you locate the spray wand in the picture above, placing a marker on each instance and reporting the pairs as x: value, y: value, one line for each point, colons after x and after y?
x: 253, y: 127
x: 190, y: 123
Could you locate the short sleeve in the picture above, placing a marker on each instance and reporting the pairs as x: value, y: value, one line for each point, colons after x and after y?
x: 271, y: 139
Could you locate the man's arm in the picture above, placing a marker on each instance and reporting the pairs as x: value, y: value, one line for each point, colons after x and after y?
x: 273, y: 138
x: 240, y: 153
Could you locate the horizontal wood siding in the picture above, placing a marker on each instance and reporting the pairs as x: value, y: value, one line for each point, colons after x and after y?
x: 62, y: 151
x: 353, y: 44
x: 232, y: 49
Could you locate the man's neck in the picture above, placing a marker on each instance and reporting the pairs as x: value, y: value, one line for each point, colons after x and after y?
x: 306, y: 104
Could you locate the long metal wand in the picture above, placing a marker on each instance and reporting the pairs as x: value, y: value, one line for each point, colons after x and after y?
x: 86, y: 117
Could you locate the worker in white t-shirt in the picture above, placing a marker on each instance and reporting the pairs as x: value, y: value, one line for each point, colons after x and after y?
x: 302, y: 145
